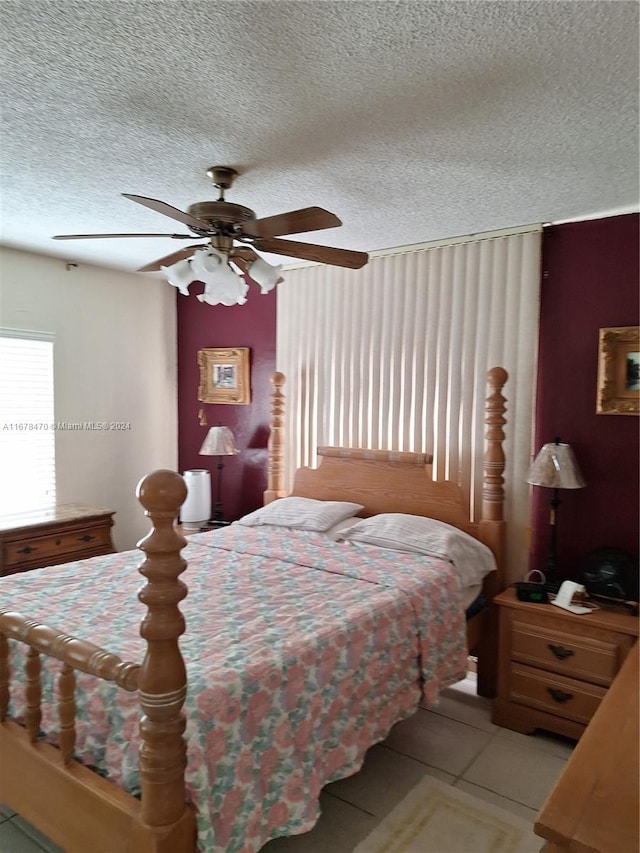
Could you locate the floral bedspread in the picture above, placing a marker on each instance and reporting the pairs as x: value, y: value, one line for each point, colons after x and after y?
x: 301, y: 653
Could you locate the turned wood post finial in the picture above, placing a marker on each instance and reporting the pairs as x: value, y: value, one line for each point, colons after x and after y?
x: 277, y: 379
x: 162, y: 681
x: 161, y: 492
x: 275, y: 468
x: 493, y: 461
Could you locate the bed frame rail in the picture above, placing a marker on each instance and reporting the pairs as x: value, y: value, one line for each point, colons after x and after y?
x: 67, y: 801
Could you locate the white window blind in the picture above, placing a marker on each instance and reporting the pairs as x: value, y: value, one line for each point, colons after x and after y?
x: 395, y: 355
x: 27, y: 427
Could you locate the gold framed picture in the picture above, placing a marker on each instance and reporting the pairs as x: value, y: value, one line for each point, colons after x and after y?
x: 619, y: 371
x: 224, y: 375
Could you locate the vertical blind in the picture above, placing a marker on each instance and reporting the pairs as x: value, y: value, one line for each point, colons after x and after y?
x: 27, y: 428
x: 395, y: 356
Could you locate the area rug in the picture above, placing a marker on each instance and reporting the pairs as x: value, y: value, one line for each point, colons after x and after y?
x: 437, y: 818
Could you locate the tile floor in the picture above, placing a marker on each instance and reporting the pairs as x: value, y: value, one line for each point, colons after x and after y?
x: 454, y: 742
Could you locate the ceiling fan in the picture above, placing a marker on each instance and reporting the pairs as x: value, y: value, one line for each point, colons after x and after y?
x: 234, y: 231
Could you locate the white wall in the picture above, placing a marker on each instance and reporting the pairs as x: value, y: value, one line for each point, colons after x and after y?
x: 115, y: 360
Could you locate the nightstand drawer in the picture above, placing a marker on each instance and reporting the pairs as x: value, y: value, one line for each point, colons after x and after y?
x: 555, y: 694
x: 579, y: 656
x: 58, y: 547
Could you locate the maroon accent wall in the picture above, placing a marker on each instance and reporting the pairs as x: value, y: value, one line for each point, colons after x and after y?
x: 253, y: 325
x: 590, y: 281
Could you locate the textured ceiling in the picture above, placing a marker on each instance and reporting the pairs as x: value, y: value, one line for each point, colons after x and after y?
x: 412, y: 121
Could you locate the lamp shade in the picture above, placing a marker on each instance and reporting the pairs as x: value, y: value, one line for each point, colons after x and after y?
x: 219, y: 442
x: 555, y: 467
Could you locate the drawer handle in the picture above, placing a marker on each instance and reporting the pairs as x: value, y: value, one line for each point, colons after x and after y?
x: 560, y: 652
x: 26, y: 550
x: 86, y: 538
x: 559, y: 695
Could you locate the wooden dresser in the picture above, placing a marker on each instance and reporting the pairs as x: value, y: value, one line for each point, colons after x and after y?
x: 555, y: 667
x: 593, y: 806
x: 59, y: 534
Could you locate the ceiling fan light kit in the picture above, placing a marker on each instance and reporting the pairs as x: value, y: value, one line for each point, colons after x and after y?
x: 222, y: 285
x: 229, y: 260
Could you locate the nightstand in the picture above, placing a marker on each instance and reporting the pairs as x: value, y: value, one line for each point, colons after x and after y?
x: 555, y: 667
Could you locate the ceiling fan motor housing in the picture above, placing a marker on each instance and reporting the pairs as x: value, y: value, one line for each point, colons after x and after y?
x: 221, y: 213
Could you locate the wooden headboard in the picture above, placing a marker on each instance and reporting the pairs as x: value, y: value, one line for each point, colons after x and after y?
x: 400, y: 481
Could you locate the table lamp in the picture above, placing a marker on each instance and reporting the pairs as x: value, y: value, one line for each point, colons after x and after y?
x: 219, y: 442
x: 554, y: 467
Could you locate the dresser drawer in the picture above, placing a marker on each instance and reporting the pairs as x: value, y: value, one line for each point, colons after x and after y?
x: 555, y: 694
x: 595, y: 660
x: 57, y: 547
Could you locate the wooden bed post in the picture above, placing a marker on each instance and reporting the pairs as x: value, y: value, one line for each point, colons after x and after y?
x: 162, y: 681
x: 493, y: 463
x: 275, y: 469
x: 492, y: 525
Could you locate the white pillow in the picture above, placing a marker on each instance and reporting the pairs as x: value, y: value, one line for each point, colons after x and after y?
x: 335, y: 531
x: 417, y: 535
x: 332, y: 533
x: 301, y: 514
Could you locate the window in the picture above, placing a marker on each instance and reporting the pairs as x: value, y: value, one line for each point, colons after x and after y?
x: 27, y: 427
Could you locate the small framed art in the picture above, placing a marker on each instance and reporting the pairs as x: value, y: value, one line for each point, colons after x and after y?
x: 619, y: 371
x: 224, y: 375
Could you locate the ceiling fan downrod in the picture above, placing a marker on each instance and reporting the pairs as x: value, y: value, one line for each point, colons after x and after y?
x: 222, y: 178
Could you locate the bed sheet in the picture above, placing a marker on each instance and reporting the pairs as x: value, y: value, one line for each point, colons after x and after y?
x: 298, y: 660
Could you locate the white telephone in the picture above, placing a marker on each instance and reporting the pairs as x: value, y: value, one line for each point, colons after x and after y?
x: 565, y: 595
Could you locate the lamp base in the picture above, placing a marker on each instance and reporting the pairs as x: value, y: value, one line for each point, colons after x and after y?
x: 215, y: 522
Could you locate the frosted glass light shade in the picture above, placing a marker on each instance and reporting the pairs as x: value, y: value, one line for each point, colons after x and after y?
x: 222, y: 286
x: 196, y: 510
x: 180, y: 275
x: 265, y: 275
x: 206, y: 262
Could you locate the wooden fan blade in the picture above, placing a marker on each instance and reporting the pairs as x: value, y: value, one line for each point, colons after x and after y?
x: 180, y: 255
x: 293, y: 222
x: 103, y: 236
x: 242, y: 263
x: 167, y: 210
x: 310, y: 252
x: 244, y: 253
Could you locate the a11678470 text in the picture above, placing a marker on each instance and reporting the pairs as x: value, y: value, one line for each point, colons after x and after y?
x: 61, y: 426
